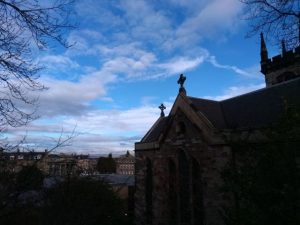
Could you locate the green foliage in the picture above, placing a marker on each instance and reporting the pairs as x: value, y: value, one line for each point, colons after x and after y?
x: 264, y: 178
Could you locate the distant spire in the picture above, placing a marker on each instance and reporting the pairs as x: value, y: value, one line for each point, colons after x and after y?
x: 162, y: 108
x: 283, y: 47
x: 181, y: 81
x: 263, y: 49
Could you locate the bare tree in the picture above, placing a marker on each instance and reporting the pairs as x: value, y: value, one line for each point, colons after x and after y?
x: 64, y: 140
x: 25, y: 27
x: 279, y: 20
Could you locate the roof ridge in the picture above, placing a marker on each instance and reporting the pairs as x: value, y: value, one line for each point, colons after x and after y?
x: 153, y: 127
x: 264, y: 88
x: 203, y: 99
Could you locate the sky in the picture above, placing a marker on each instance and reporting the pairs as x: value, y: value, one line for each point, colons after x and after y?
x: 126, y: 60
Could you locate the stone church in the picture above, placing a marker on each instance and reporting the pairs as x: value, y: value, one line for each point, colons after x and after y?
x: 179, y: 160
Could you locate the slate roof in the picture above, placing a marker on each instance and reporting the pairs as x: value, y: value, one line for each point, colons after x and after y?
x: 210, y: 109
x: 252, y: 110
x: 261, y: 108
x: 116, y: 179
x: 158, y: 127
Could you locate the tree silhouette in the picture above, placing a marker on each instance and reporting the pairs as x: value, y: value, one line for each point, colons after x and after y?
x: 106, y: 164
x: 278, y: 19
x: 26, y: 26
x: 77, y: 202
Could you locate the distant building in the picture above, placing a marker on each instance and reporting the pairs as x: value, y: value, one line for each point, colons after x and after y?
x: 14, y: 161
x: 61, y: 165
x: 125, y: 164
x: 49, y: 164
x: 86, y: 165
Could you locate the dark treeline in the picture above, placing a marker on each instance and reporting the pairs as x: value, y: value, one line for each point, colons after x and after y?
x: 25, y: 198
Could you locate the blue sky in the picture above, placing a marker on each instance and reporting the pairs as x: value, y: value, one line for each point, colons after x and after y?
x: 126, y: 60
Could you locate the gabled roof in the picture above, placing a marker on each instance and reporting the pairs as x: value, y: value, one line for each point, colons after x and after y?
x: 252, y: 110
x: 210, y: 109
x: 262, y: 107
x: 155, y: 131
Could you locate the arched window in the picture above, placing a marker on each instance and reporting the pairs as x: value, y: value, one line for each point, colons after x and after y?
x: 197, y: 194
x: 148, y: 191
x: 184, y: 189
x: 172, y: 198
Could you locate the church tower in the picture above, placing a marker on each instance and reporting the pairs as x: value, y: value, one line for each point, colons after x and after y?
x: 280, y: 68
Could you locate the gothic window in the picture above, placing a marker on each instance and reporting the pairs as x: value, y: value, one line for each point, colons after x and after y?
x: 148, y: 191
x: 184, y: 188
x: 172, y: 198
x: 197, y: 193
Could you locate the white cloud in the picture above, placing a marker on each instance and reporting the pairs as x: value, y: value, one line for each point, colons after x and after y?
x: 236, y: 91
x: 213, y: 61
x: 143, y: 32
x: 181, y: 64
x: 129, y: 62
x: 135, y: 63
x: 133, y: 40
x: 72, y: 98
x: 218, y: 15
x: 58, y: 62
x: 212, y: 20
x: 146, y: 22
x: 100, y: 130
x: 159, y: 27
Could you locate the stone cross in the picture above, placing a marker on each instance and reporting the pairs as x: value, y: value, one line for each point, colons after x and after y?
x: 162, y: 108
x: 181, y: 81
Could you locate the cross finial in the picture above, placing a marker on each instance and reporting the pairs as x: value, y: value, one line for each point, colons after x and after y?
x: 181, y: 81
x: 162, y: 108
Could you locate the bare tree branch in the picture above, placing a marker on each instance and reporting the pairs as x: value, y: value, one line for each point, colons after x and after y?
x: 278, y: 19
x: 23, y: 25
x: 64, y: 140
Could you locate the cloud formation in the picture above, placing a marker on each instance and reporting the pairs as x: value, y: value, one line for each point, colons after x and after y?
x: 122, y: 42
x: 99, y: 130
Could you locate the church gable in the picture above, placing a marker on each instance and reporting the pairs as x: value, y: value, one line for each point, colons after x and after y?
x: 181, y: 128
x: 201, y: 121
x: 185, y: 120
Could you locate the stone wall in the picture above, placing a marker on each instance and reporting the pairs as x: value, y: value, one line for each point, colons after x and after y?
x: 281, y: 67
x: 186, y: 178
